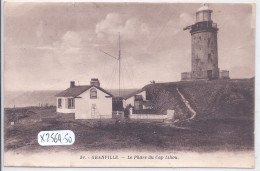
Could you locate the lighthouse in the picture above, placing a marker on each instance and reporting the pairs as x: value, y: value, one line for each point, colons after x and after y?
x: 204, y: 47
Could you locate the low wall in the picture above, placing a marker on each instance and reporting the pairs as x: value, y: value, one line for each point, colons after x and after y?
x: 170, y: 115
x: 148, y: 116
x: 98, y: 117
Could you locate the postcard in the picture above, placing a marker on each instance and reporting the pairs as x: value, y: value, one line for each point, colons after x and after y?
x: 128, y: 84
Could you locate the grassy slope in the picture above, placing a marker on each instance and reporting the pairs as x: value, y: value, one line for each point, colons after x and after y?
x: 221, y: 99
x: 210, y: 99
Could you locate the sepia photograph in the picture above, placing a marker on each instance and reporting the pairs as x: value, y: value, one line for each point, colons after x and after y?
x: 129, y: 84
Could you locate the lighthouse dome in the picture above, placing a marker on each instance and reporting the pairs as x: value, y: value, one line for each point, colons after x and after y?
x: 204, y: 8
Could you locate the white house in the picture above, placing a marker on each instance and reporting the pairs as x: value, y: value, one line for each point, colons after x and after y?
x: 137, y: 100
x: 86, y: 102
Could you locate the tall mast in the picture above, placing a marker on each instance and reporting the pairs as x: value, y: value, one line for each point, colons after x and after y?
x: 119, y: 63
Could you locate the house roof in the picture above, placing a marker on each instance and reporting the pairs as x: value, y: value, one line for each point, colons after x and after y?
x: 134, y: 93
x: 77, y: 90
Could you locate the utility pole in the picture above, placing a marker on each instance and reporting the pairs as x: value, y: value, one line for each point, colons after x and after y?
x: 119, y: 63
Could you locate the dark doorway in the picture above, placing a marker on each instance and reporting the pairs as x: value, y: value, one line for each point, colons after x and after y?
x: 138, y: 103
x: 209, y: 72
x: 117, y: 104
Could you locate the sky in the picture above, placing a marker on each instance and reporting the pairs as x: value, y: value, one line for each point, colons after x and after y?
x: 47, y: 45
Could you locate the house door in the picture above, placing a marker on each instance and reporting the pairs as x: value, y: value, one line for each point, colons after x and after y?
x: 209, y: 72
x: 93, y: 110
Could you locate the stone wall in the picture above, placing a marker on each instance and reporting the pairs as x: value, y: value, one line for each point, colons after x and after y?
x: 168, y: 116
x: 185, y: 76
x: 224, y: 74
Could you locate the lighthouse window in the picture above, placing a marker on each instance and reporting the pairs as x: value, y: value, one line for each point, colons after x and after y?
x: 209, y: 57
x: 200, y: 38
x: 208, y: 42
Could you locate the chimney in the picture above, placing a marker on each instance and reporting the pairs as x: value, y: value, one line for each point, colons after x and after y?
x: 95, y: 82
x: 72, y: 84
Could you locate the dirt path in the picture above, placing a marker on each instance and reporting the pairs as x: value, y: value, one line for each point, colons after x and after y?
x: 187, y: 104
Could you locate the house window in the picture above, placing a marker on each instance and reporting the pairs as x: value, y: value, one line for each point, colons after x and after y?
x: 59, y: 103
x: 71, y: 104
x: 93, y: 93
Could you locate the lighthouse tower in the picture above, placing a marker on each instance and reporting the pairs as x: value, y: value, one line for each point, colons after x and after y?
x: 204, y: 47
